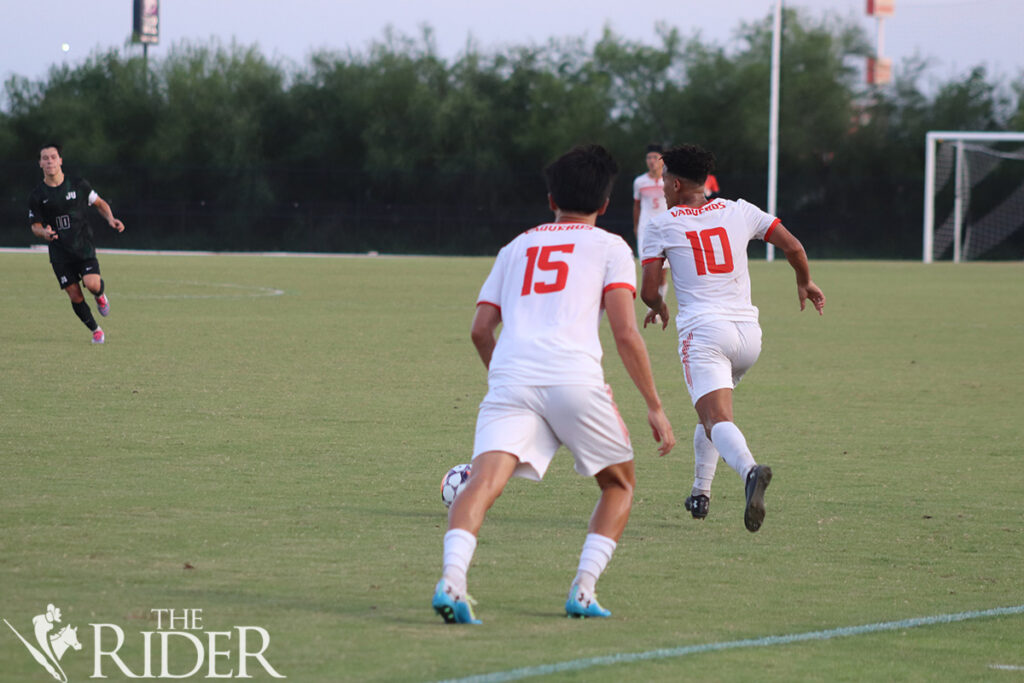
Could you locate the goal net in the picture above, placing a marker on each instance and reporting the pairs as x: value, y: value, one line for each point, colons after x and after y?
x: 974, y: 196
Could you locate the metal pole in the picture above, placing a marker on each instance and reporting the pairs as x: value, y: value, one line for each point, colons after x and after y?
x: 929, y: 199
x: 773, y: 124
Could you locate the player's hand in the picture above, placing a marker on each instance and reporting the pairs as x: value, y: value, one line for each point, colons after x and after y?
x: 49, y: 234
x: 116, y: 224
x: 653, y: 315
x: 813, y: 292
x: 662, y: 430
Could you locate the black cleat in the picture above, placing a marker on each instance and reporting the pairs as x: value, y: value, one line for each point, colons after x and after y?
x: 757, y: 481
x: 697, y: 505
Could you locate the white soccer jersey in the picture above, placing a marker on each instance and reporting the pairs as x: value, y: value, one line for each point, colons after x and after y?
x: 651, y: 193
x: 549, y: 284
x: 707, y: 250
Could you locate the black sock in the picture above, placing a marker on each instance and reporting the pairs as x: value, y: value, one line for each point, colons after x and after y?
x: 103, y: 286
x: 85, y: 314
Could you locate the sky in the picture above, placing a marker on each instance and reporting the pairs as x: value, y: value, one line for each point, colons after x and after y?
x: 955, y: 35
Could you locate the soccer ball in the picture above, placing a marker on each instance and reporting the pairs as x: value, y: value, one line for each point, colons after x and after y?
x: 453, y: 481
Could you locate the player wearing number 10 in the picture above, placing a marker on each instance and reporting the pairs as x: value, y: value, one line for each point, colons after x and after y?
x: 57, y: 213
x: 719, y: 336
x: 546, y: 385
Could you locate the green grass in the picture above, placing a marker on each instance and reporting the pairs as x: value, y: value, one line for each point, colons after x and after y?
x: 289, y: 449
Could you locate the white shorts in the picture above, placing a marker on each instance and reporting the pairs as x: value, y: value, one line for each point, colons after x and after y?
x: 717, y: 354
x: 532, y: 422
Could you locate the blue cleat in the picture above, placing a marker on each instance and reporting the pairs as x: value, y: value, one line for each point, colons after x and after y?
x: 454, y: 609
x: 581, y: 604
x: 757, y: 481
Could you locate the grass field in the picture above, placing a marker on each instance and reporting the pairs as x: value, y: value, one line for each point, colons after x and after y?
x: 263, y: 438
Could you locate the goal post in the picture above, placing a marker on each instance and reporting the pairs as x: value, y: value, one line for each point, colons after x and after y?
x: 965, y: 159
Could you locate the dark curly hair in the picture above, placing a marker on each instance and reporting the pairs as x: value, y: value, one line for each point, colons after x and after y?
x: 692, y: 162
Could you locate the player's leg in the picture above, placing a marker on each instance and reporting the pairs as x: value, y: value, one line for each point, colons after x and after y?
x: 93, y: 281
x: 607, y: 523
x: 705, y: 462
x: 715, y: 358
x: 587, y: 421
x: 491, y: 472
x: 67, y: 277
x: 507, y: 423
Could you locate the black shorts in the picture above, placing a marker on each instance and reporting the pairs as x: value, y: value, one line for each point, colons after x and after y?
x: 70, y: 272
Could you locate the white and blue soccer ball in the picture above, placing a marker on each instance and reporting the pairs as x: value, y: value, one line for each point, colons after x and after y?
x: 453, y: 482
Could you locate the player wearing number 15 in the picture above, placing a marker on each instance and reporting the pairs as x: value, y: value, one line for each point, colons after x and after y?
x: 57, y: 213
x: 546, y: 387
x: 719, y: 336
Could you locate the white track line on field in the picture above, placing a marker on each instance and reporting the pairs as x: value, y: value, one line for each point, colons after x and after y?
x: 668, y: 653
x: 1006, y: 667
x: 246, y: 291
x: 42, y: 249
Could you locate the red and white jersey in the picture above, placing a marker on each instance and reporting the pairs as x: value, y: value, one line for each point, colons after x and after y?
x: 651, y: 194
x: 707, y: 250
x: 549, y: 285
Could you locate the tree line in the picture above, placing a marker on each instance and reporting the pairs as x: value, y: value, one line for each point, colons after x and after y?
x: 394, y: 149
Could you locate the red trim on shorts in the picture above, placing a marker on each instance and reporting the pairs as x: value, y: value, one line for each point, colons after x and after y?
x: 686, y: 359
x: 775, y: 223
x: 620, y: 285
x: 652, y: 260
x: 489, y: 303
x: 622, y: 424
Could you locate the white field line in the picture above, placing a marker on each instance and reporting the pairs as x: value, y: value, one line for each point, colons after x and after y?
x: 42, y: 249
x: 767, y: 641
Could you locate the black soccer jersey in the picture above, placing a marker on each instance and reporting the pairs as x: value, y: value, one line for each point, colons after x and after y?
x: 63, y: 208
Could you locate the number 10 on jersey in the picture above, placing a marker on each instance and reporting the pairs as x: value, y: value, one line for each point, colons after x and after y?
x: 704, y: 256
x: 539, y: 258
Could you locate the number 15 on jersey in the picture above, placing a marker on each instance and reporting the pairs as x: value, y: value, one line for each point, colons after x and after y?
x: 540, y: 258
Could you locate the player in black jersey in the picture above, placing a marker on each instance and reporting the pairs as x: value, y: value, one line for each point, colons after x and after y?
x: 57, y: 212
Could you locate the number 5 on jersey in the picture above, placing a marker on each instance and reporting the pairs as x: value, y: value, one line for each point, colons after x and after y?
x: 539, y: 258
x: 704, y: 256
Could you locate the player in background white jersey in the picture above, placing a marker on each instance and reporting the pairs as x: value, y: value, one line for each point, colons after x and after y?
x: 546, y: 386
x: 649, y: 200
x: 719, y: 336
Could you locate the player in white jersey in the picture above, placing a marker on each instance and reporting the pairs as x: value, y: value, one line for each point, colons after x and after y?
x: 719, y: 336
x: 649, y: 200
x: 546, y: 387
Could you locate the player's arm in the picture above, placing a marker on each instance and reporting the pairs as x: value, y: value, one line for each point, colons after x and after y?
x: 485, y: 324
x: 797, y: 257
x: 636, y: 215
x: 108, y: 215
x: 618, y: 304
x: 650, y: 294
x: 43, y: 232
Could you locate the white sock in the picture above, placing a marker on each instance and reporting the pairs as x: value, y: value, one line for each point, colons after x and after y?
x: 730, y: 442
x: 459, y: 545
x: 705, y: 462
x: 597, y: 551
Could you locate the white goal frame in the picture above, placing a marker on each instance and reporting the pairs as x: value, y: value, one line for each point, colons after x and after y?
x: 931, y: 143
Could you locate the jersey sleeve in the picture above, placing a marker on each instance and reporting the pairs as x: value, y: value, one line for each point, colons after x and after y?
x: 636, y: 189
x: 85, y: 190
x: 490, y: 293
x: 761, y: 224
x: 619, y: 268
x: 35, y: 210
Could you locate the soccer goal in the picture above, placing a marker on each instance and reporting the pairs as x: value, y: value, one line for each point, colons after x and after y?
x: 973, y: 194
